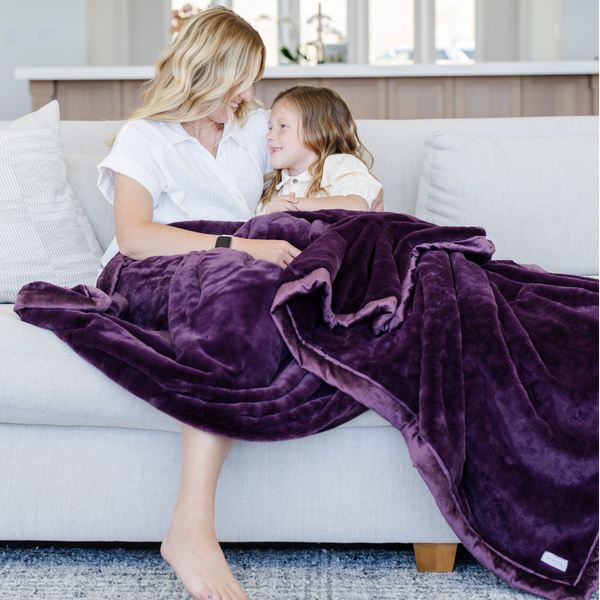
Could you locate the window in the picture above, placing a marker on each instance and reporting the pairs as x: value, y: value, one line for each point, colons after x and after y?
x: 334, y: 29
x: 455, y: 30
x: 391, y: 31
x: 263, y: 17
x: 182, y: 10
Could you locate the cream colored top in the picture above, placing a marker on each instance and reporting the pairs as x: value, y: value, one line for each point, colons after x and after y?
x: 343, y: 175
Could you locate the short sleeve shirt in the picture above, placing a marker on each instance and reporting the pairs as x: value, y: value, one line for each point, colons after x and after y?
x: 185, y: 180
x: 343, y: 175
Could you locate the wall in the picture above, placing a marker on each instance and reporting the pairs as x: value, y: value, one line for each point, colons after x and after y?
x: 127, y: 32
x: 537, y: 30
x: 497, y: 30
x: 45, y: 34
x: 107, y: 32
x: 540, y: 30
x: 149, y: 22
x: 520, y: 29
x: 579, y: 29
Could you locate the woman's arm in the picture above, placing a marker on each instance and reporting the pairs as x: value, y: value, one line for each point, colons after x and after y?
x: 138, y: 237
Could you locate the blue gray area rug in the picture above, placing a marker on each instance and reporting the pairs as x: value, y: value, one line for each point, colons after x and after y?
x: 265, y: 574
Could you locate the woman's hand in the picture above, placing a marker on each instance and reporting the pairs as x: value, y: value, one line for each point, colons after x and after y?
x: 280, y: 252
x: 284, y: 203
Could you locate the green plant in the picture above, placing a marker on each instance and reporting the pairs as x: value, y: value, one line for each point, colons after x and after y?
x: 291, y: 57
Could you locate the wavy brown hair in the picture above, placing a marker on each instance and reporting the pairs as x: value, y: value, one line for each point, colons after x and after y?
x: 328, y: 128
x: 214, y: 56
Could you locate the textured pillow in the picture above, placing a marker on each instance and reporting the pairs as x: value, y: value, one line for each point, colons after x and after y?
x: 44, y: 233
x: 537, y: 197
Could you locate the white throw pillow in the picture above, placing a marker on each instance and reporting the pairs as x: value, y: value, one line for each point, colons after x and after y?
x: 536, y: 197
x: 44, y: 232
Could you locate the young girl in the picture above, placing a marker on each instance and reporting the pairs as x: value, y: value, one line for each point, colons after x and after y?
x: 317, y: 155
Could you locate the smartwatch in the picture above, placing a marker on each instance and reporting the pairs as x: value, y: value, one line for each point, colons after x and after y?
x: 223, y: 241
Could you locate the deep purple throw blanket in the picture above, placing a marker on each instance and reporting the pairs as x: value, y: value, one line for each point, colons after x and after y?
x: 488, y: 369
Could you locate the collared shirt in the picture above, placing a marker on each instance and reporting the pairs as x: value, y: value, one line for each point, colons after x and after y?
x: 343, y: 175
x: 185, y: 180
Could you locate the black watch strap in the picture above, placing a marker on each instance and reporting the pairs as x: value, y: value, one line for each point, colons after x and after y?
x: 223, y: 241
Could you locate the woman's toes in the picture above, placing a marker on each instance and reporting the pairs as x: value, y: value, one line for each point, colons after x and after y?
x: 207, y: 594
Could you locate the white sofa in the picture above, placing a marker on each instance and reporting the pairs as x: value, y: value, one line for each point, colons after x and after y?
x: 84, y: 460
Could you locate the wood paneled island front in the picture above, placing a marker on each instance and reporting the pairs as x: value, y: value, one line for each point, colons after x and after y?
x: 514, y: 89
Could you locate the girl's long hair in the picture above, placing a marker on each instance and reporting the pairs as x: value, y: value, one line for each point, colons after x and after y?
x: 215, y: 56
x: 328, y: 128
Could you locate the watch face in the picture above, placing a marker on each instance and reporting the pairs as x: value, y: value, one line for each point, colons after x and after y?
x: 223, y: 241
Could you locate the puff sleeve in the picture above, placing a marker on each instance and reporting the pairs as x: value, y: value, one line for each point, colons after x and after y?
x: 134, y: 155
x: 346, y: 175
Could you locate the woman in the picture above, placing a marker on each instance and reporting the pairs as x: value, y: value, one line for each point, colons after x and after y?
x: 195, y: 150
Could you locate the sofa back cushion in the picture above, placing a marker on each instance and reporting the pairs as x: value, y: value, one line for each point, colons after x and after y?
x: 82, y: 174
x: 85, y: 149
x: 399, y: 146
x: 537, y: 197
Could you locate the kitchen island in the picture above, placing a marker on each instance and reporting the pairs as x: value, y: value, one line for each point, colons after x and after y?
x: 421, y: 91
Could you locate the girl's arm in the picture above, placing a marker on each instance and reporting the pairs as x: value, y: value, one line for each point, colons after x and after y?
x: 348, y: 180
x: 377, y: 205
x: 289, y: 202
x: 138, y: 237
x: 351, y: 202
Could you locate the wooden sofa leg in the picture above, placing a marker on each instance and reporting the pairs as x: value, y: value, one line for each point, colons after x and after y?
x: 435, y: 558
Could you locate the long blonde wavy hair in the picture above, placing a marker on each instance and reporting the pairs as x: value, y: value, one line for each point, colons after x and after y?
x: 216, y: 55
x: 328, y: 128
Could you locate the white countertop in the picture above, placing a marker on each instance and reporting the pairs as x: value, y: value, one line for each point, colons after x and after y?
x: 572, y: 67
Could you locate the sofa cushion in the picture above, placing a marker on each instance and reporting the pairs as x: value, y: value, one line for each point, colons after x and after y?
x: 44, y: 232
x: 537, y: 197
x: 82, y: 175
x: 44, y: 382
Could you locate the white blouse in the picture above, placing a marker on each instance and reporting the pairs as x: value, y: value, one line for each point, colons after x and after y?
x: 343, y: 175
x: 185, y: 180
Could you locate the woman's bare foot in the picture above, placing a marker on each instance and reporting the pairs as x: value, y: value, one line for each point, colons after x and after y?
x: 198, y: 561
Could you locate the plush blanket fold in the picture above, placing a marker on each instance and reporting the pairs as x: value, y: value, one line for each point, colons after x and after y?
x: 489, y: 369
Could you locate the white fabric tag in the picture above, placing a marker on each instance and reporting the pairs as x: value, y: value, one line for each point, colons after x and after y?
x: 555, y: 561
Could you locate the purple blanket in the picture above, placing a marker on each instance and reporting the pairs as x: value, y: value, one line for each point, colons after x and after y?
x: 488, y: 369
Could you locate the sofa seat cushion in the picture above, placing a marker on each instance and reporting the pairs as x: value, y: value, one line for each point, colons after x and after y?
x: 536, y: 197
x: 44, y: 382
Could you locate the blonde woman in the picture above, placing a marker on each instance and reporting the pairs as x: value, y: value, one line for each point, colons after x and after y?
x: 195, y: 150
